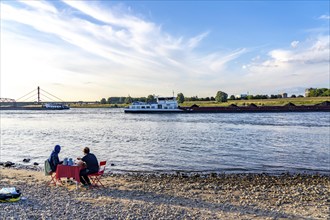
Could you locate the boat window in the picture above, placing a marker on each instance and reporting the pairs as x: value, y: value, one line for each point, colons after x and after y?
x: 148, y: 106
x: 159, y: 106
x: 152, y: 106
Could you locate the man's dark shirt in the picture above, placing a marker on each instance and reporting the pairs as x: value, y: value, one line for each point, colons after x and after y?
x: 91, y: 162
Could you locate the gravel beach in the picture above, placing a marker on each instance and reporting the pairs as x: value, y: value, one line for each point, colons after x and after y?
x: 169, y: 196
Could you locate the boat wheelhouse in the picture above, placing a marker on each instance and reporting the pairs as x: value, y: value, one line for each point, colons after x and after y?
x: 162, y: 105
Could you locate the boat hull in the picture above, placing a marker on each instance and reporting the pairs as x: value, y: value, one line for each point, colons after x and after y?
x: 156, y: 111
x: 31, y: 108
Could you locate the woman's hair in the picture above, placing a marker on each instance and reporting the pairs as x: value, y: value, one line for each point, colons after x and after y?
x: 57, y: 149
x: 86, y: 150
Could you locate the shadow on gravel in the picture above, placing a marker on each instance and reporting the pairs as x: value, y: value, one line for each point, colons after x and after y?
x: 163, y: 199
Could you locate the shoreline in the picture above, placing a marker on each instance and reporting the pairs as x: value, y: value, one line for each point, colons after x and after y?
x: 170, y: 196
x: 205, y: 173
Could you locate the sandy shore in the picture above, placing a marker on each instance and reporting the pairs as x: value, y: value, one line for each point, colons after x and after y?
x: 175, y: 196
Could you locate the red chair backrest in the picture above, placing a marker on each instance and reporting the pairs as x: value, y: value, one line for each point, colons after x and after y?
x: 102, y: 167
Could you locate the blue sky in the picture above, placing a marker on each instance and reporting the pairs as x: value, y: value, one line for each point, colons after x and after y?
x: 87, y: 50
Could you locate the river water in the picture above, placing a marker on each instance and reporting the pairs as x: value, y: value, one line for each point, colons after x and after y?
x: 223, y: 143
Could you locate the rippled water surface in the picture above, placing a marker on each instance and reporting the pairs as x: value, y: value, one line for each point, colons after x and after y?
x: 248, y: 142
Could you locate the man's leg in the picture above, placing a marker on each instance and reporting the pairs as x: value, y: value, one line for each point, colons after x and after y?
x: 83, y: 175
x: 86, y: 178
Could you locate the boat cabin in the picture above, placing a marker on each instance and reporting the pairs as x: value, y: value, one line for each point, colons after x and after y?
x: 163, y: 104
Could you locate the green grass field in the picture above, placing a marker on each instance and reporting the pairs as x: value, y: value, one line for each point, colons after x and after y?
x: 264, y: 102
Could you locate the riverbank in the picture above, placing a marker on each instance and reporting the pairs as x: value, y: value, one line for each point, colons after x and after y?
x: 175, y: 196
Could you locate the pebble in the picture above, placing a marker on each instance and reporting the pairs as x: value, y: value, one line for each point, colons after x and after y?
x: 175, y: 196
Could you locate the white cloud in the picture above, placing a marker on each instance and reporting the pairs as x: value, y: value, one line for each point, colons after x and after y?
x: 119, y: 53
x: 40, y: 5
x: 193, y: 42
x: 280, y: 55
x: 304, y: 66
x: 85, y: 52
x: 317, y: 52
x: 324, y: 17
x: 217, y: 62
x: 294, y: 44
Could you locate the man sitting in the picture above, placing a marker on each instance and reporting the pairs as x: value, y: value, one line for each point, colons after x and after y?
x: 92, y: 166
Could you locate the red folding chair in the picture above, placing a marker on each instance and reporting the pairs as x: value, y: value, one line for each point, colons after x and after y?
x: 96, y: 177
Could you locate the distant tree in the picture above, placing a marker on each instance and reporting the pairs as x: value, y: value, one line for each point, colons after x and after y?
x: 311, y: 93
x: 249, y: 97
x: 150, y: 98
x: 128, y: 100
x: 232, y: 97
x: 194, y: 98
x: 260, y: 97
x: 180, y: 98
x: 207, y: 99
x: 142, y: 99
x: 326, y: 93
x: 318, y: 92
x: 293, y: 96
x: 212, y: 98
x: 300, y: 96
x: 115, y: 100
x: 221, y: 96
x: 103, y: 101
x: 122, y: 100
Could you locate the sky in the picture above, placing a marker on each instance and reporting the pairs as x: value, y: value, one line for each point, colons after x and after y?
x: 88, y: 50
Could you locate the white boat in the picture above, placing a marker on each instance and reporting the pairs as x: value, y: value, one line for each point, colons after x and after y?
x: 163, y: 105
x: 56, y: 106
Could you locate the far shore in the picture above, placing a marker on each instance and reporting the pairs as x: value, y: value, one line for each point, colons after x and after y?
x: 168, y: 196
x: 258, y: 102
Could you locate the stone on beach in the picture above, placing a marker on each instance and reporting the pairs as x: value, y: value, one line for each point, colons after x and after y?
x: 26, y: 160
x: 7, y: 164
x: 169, y: 196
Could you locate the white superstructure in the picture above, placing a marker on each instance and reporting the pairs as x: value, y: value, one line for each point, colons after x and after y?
x: 56, y: 106
x: 163, y: 105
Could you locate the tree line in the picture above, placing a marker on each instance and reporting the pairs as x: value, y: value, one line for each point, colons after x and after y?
x: 220, y: 96
x: 127, y: 100
x: 318, y: 92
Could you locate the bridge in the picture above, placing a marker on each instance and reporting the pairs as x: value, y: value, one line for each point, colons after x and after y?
x: 33, y: 97
x: 7, y: 100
